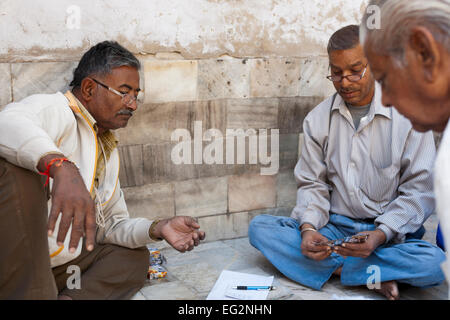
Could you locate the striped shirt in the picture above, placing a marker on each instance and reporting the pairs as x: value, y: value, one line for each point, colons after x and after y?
x: 381, y: 171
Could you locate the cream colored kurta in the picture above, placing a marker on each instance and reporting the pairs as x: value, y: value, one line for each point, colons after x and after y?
x: 53, y: 123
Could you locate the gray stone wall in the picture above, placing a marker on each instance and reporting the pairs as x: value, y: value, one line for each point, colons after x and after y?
x: 230, y: 93
x: 225, y: 93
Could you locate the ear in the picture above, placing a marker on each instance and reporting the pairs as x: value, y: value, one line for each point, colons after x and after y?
x: 425, y: 52
x: 88, y: 87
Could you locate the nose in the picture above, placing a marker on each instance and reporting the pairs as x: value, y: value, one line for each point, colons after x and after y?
x: 345, y: 83
x: 132, y: 105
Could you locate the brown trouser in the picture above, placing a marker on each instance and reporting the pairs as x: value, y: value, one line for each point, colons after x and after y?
x: 107, y: 272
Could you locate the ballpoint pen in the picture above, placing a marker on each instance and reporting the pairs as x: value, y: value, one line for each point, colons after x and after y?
x: 254, y: 287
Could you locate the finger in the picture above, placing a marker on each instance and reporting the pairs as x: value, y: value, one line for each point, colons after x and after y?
x: 319, y: 255
x: 195, y: 236
x: 77, y: 230
x: 180, y: 247
x: 202, y: 235
x: 347, y: 252
x: 90, y: 226
x: 53, y: 217
x: 64, y: 225
x: 190, y: 245
x: 311, y: 246
x: 354, y: 246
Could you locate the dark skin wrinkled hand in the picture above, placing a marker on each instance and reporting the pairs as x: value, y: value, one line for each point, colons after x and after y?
x: 362, y: 250
x: 72, y: 200
x: 309, y: 246
x: 181, y: 232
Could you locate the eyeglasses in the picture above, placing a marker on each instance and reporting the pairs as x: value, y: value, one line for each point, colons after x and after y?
x: 127, y: 98
x: 351, y: 77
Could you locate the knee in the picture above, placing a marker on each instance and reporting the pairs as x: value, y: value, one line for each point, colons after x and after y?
x: 258, y: 228
x: 430, y: 265
x: 141, y: 258
x: 134, y: 261
x: 438, y: 257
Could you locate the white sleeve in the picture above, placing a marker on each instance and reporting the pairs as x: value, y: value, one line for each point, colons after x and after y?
x: 31, y: 128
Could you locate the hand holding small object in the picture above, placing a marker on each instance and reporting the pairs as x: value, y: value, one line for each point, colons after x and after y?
x: 373, y: 239
x: 357, y: 238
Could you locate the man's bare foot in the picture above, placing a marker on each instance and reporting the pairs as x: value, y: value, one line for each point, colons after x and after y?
x: 64, y: 297
x: 389, y: 289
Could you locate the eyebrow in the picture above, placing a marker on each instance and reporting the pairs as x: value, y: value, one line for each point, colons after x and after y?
x: 129, y: 87
x: 351, y: 66
x: 356, y: 64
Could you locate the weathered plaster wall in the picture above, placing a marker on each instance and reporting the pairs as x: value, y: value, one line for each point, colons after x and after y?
x: 47, y: 29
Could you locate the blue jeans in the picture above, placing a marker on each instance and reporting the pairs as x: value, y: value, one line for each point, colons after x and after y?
x: 415, y: 262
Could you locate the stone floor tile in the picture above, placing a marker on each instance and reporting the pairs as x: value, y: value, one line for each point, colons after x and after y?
x: 138, y: 296
x: 175, y: 290
x: 200, y: 276
x: 192, y: 275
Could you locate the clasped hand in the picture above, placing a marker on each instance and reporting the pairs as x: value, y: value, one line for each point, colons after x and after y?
x: 311, y: 249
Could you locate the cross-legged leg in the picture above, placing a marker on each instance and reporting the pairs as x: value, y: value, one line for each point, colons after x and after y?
x: 279, y: 240
x: 415, y: 262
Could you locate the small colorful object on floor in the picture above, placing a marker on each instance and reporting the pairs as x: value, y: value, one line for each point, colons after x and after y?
x: 156, y: 257
x: 156, y: 270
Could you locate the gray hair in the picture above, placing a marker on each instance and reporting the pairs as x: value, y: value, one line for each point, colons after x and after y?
x: 398, y: 17
x: 101, y: 59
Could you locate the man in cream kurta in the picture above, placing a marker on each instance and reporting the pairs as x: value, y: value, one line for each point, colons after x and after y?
x: 94, y: 231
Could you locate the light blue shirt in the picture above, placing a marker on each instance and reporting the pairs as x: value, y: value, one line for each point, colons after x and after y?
x: 382, y: 170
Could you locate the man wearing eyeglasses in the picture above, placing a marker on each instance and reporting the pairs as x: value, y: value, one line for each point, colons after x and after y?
x: 362, y: 170
x: 68, y: 138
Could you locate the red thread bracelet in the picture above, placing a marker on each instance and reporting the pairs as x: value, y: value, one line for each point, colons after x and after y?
x: 47, y: 171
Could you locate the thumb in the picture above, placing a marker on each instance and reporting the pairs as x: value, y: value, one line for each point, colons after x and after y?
x: 191, y: 222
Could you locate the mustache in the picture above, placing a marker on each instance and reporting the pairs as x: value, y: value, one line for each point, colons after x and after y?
x: 347, y: 90
x: 127, y: 112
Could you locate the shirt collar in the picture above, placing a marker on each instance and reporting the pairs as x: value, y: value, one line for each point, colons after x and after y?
x: 86, y: 113
x: 376, y: 107
x: 108, y: 137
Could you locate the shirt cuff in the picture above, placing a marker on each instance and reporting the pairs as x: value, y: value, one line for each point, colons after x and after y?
x: 152, y: 229
x: 309, y: 216
x: 387, y: 232
x: 142, y: 232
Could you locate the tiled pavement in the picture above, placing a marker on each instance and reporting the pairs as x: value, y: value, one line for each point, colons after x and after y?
x: 192, y: 275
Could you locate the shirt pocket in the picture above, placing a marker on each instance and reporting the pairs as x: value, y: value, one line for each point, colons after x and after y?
x: 379, y: 184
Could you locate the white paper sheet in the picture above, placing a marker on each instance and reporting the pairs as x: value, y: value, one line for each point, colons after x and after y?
x: 222, y: 289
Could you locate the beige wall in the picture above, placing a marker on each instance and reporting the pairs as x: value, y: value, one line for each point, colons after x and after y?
x: 63, y: 29
x: 230, y: 64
